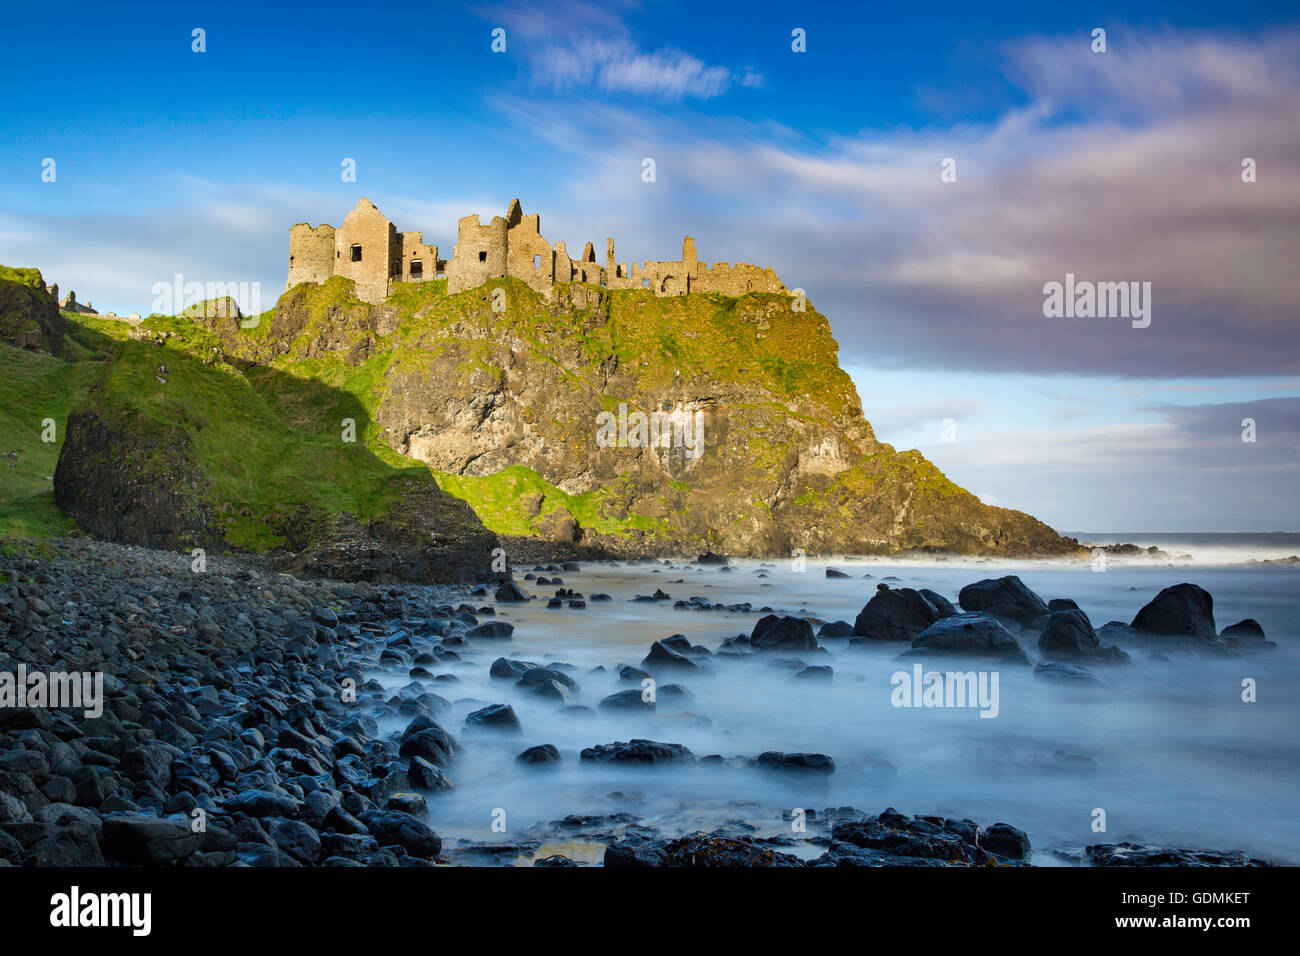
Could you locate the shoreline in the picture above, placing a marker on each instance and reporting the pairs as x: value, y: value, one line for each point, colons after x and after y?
x: 224, y: 704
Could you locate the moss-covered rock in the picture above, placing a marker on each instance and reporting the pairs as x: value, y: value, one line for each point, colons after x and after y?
x: 29, y: 316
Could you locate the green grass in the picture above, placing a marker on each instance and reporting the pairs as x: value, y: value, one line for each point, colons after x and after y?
x: 34, y: 387
x: 264, y: 470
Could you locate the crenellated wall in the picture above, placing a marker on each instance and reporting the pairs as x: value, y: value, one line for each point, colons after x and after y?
x: 368, y: 249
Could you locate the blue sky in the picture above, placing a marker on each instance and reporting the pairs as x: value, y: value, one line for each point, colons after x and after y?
x: 823, y: 164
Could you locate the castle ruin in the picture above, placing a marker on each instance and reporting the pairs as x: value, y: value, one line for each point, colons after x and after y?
x: 368, y: 249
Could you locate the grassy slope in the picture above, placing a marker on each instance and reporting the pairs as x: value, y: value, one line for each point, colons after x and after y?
x: 34, y: 387
x: 262, y: 468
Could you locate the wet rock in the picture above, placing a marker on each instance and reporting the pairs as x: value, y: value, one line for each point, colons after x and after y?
x: 1069, y: 637
x: 541, y: 754
x: 1148, y: 854
x: 783, y: 633
x: 500, y: 717
x: 553, y: 690
x: 394, y: 828
x: 262, y: 803
x: 1183, y: 610
x: 969, y: 635
x: 1002, y: 839
x: 510, y: 591
x: 540, y: 675
x: 425, y: 775
x: 637, y: 751
x: 1005, y: 597
x: 556, y: 859
x: 492, y: 631
x: 903, y: 840
x: 895, y: 614
x: 627, y: 700
x: 1246, y: 635
x: 796, y: 762
x: 662, y: 656
x: 506, y: 669
x: 835, y: 573
x: 834, y: 629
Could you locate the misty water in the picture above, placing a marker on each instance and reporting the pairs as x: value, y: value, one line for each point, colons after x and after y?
x: 1177, y: 757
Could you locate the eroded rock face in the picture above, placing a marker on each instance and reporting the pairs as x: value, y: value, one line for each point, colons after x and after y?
x: 471, y: 392
x: 29, y: 316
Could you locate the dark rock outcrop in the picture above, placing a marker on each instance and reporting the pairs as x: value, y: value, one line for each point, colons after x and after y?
x: 1005, y: 597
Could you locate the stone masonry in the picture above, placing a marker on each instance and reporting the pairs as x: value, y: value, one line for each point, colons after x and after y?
x: 368, y: 249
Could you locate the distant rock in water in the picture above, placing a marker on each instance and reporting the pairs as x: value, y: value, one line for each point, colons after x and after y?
x: 797, y: 762
x: 708, y: 557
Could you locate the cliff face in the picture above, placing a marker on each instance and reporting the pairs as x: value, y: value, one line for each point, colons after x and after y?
x: 29, y: 316
x: 514, y: 407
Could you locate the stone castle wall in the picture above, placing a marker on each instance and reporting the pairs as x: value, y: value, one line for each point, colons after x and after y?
x: 368, y: 249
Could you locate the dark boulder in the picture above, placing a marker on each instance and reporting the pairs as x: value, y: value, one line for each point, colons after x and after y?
x: 637, y: 751
x: 1069, y: 637
x: 510, y: 591
x: 970, y: 634
x: 500, y: 717
x: 541, y: 754
x: 1183, y: 610
x: 1245, y: 635
x: 782, y: 633
x: 627, y: 700
x: 799, y: 762
x: 895, y: 615
x: 492, y: 631
x: 832, y: 629
x: 1005, y: 597
x: 394, y: 828
x: 662, y: 656
x: 1002, y: 839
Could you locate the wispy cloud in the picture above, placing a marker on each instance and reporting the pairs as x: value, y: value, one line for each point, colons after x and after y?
x: 573, y: 46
